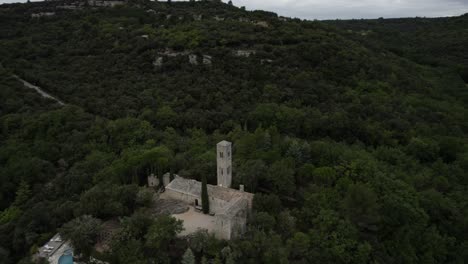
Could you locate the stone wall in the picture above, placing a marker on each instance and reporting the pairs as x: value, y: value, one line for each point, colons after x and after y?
x: 167, y: 178
x: 232, y: 222
x: 239, y: 224
x: 185, y: 197
x: 223, y: 227
x: 231, y: 208
x: 228, y: 227
x: 216, y: 205
x: 153, y: 181
x: 224, y: 163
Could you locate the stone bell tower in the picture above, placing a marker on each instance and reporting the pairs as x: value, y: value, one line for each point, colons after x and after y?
x: 224, y: 163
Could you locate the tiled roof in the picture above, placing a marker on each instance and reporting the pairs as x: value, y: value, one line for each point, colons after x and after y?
x: 193, y: 187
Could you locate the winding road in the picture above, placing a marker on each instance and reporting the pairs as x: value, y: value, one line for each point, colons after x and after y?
x: 38, y: 89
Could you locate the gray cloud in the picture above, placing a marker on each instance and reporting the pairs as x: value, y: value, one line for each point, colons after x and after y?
x: 345, y: 9
x: 331, y: 9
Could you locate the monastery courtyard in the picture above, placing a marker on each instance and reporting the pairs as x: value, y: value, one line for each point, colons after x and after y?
x: 193, y: 219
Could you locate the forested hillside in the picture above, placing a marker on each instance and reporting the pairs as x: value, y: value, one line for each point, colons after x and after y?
x: 431, y: 41
x: 355, y: 147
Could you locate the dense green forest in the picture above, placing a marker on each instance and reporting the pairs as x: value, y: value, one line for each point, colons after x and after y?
x: 444, y: 39
x: 353, y: 135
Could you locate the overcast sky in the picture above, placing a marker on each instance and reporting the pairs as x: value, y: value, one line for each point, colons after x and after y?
x: 344, y: 9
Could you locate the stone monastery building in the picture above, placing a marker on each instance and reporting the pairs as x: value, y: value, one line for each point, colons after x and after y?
x: 229, y: 208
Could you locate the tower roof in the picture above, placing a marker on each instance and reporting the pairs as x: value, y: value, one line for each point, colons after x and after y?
x: 224, y: 143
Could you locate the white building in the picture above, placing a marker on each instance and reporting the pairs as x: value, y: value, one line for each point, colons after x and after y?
x: 55, y: 249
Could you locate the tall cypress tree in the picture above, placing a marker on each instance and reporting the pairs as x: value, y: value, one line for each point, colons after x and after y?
x: 188, y: 257
x: 204, y: 196
x: 22, y: 194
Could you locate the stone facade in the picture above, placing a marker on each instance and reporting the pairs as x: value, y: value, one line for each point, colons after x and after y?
x: 229, y: 208
x: 153, y: 181
x: 42, y: 14
x: 207, y: 59
x: 166, y: 179
x: 244, y: 53
x: 193, y: 59
x: 224, y: 163
x: 158, y: 62
x: 106, y: 3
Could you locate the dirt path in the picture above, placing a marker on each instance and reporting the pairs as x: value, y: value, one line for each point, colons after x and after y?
x: 39, y: 90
